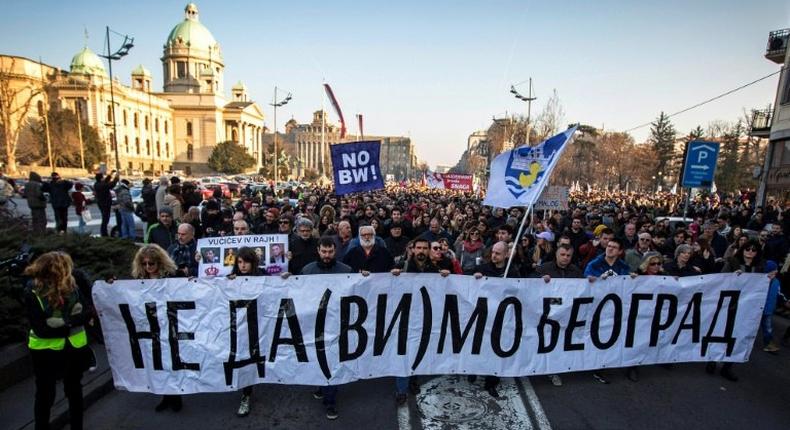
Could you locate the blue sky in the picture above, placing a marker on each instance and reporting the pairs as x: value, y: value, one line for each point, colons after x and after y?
x: 438, y: 70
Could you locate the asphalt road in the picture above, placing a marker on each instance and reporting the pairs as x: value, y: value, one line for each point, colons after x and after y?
x: 91, y: 228
x: 683, y: 397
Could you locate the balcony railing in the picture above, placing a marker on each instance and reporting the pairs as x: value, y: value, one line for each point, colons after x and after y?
x: 777, y: 45
x: 761, y: 123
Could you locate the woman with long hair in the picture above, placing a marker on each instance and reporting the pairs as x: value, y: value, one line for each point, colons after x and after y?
x: 651, y: 265
x: 246, y: 264
x: 152, y: 262
x: 704, y: 257
x: 469, y: 250
x: 57, y: 338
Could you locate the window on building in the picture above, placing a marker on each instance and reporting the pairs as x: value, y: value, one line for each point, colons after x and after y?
x: 146, y: 122
x: 189, y: 128
x: 126, y: 143
x: 167, y: 149
x: 131, y: 166
x: 136, y: 120
x: 158, y: 149
x: 189, y: 152
x: 148, y: 146
x: 181, y: 69
x: 113, y: 143
x: 137, y: 145
x: 109, y: 113
x: 165, y: 127
x: 125, y: 121
x: 156, y: 125
x: 40, y: 106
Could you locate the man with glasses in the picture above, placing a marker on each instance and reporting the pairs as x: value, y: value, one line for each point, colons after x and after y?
x: 635, y: 256
x: 368, y: 256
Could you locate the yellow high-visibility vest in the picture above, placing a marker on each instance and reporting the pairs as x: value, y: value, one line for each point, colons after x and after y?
x: 77, y: 339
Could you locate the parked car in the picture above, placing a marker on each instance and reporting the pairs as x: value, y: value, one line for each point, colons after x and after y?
x: 207, y: 190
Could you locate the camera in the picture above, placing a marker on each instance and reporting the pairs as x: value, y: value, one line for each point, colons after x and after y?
x: 16, y: 265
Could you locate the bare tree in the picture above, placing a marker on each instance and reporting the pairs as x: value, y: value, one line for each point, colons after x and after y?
x: 17, y: 94
x: 550, y: 119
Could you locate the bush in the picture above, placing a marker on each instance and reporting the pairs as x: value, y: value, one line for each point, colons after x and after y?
x: 99, y: 258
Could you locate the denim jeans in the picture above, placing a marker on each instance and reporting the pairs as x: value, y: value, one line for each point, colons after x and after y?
x: 766, y: 326
x: 81, y: 227
x: 127, y: 225
x: 330, y: 395
x: 402, y: 384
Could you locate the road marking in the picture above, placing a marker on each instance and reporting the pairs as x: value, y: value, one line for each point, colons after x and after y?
x: 534, y: 404
x: 452, y: 402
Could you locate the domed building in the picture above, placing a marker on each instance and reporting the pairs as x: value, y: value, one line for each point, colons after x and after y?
x: 175, y: 129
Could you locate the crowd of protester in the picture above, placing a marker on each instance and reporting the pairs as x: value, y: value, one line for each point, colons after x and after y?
x: 407, y: 228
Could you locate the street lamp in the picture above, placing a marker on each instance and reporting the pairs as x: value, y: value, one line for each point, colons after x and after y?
x: 126, y: 45
x: 277, y: 104
x: 529, y: 99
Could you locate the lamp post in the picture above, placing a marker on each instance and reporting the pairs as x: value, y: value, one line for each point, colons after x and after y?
x: 529, y: 99
x: 277, y: 104
x: 126, y: 45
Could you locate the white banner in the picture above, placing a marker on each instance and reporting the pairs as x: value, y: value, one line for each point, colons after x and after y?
x: 218, y: 254
x: 179, y: 336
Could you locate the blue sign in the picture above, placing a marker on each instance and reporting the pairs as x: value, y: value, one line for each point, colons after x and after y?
x: 356, y: 167
x: 700, y: 166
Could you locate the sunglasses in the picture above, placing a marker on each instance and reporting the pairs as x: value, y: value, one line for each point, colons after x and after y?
x: 656, y: 263
x: 436, y: 248
x: 751, y: 249
x: 149, y: 263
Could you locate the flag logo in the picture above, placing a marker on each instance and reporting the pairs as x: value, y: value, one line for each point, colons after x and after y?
x: 524, y: 169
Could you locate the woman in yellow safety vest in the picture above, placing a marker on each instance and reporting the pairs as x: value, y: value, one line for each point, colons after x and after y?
x: 57, y: 339
x: 152, y: 262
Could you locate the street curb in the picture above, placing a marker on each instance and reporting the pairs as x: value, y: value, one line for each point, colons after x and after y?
x: 15, y: 364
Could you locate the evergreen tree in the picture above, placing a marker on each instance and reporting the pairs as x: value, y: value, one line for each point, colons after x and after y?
x: 231, y: 158
x: 662, y: 138
x: 727, y: 172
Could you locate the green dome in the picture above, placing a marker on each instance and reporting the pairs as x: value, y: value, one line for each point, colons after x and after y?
x: 191, y: 32
x: 239, y: 86
x: 86, y: 62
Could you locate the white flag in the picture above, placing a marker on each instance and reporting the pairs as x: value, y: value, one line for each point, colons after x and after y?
x: 518, y: 176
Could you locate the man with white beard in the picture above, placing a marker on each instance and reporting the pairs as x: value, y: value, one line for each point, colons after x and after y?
x: 369, y: 256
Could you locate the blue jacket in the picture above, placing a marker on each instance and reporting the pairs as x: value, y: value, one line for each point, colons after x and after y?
x: 770, y: 301
x: 599, y: 266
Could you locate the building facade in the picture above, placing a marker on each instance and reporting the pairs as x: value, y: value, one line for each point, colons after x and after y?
x: 175, y: 129
x: 775, y: 124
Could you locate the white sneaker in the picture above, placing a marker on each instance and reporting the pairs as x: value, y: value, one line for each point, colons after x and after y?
x: 244, y: 407
x: 556, y: 380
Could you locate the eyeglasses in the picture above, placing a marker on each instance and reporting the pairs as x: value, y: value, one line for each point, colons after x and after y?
x: 436, y: 248
x: 149, y: 263
x: 655, y: 263
x: 750, y: 249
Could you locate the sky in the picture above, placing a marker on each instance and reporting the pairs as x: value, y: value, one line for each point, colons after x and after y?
x: 439, y: 70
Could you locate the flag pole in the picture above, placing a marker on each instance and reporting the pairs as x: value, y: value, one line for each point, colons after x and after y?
x: 515, y: 242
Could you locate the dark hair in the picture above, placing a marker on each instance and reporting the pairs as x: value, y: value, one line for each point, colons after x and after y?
x: 607, y: 231
x: 752, y: 243
x: 619, y: 242
x: 422, y: 239
x: 506, y: 227
x: 565, y: 246
x: 326, y: 242
x: 247, y: 254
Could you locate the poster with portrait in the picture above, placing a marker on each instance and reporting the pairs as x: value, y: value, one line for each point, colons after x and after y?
x: 218, y: 254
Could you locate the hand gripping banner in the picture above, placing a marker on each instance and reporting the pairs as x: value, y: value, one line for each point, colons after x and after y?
x: 177, y: 336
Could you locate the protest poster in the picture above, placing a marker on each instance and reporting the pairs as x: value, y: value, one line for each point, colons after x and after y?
x: 356, y: 167
x: 449, y: 181
x: 218, y: 254
x: 180, y: 336
x: 553, y: 198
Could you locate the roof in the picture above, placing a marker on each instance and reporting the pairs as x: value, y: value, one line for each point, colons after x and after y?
x: 238, y: 105
x: 86, y: 62
x: 141, y: 70
x: 191, y: 32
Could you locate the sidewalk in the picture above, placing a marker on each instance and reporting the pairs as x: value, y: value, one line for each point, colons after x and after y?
x: 16, y: 401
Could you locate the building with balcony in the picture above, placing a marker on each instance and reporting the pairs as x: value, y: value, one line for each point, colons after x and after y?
x: 774, y: 123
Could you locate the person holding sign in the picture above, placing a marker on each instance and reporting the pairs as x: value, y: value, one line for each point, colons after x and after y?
x: 152, y: 262
x: 245, y: 264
